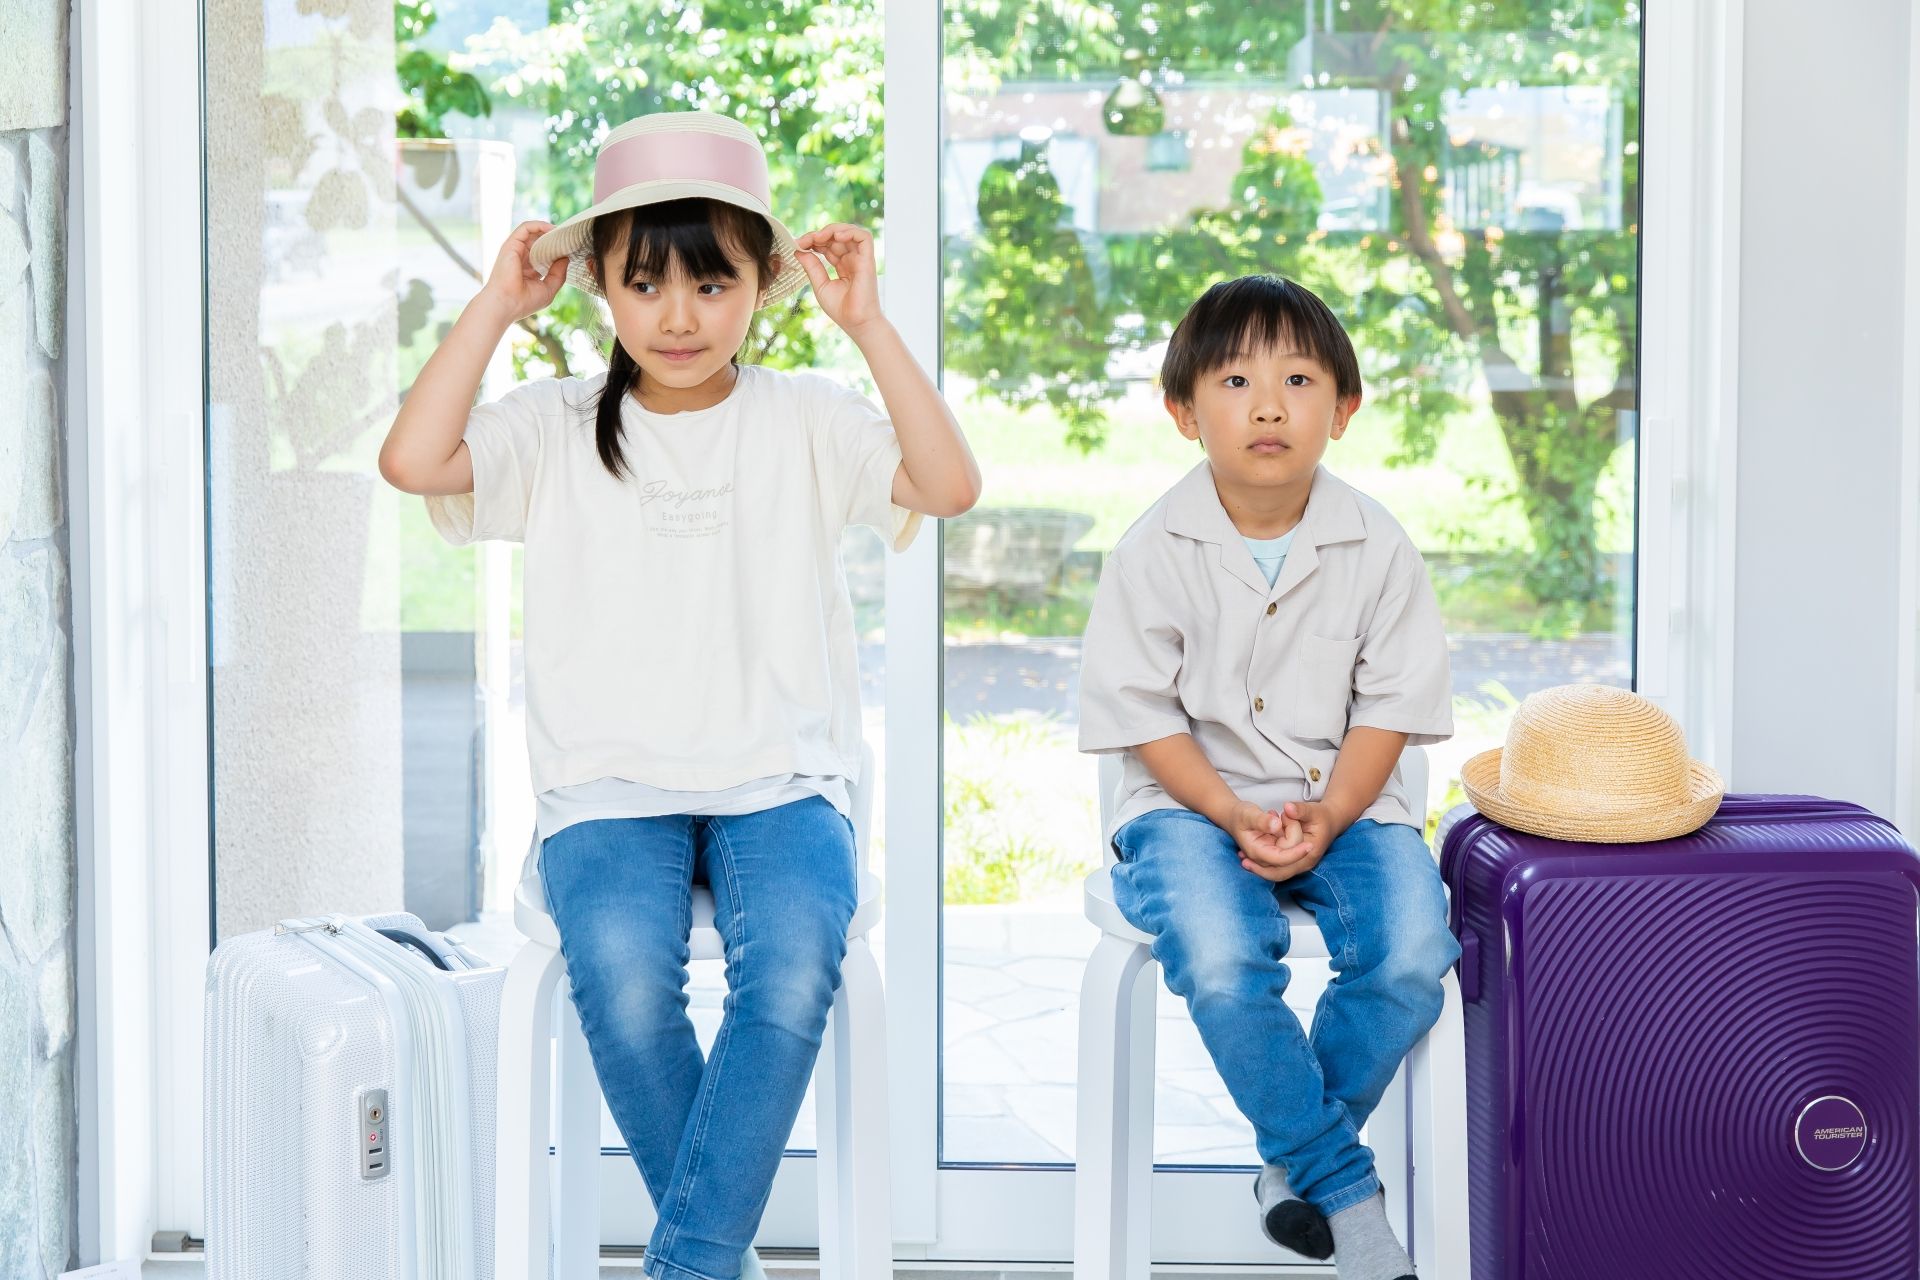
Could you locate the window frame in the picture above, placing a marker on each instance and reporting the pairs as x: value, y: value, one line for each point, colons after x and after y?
x: 1906, y: 753
x: 1682, y: 619
x: 136, y: 376
x: 135, y: 480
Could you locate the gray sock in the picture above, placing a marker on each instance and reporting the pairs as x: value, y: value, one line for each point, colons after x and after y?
x: 1364, y: 1246
x: 750, y: 1268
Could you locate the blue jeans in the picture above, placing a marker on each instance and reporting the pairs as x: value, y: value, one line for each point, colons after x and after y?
x: 1221, y: 937
x: 707, y: 1136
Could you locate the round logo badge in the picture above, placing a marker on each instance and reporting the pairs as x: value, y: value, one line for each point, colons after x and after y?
x: 1830, y: 1133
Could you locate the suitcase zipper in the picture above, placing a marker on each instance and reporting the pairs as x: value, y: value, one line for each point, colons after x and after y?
x: 430, y: 1040
x: 1734, y: 809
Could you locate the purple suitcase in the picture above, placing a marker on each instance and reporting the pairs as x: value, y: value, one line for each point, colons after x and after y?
x: 1694, y: 1058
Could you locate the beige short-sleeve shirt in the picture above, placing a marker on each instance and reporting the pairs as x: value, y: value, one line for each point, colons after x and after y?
x: 1186, y: 636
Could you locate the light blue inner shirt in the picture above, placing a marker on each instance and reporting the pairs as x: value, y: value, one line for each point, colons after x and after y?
x: 1270, y: 553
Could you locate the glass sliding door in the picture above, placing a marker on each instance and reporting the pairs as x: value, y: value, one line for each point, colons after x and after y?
x: 365, y: 160
x: 1461, y: 185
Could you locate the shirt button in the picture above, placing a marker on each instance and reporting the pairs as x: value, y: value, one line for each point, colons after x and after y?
x: 1314, y: 774
x: 1271, y: 608
x: 1259, y: 705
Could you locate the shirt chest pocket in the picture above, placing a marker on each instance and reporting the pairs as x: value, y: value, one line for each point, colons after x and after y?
x: 1322, y: 687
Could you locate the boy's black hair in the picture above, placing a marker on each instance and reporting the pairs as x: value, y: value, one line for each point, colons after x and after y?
x: 1236, y: 318
x: 688, y: 237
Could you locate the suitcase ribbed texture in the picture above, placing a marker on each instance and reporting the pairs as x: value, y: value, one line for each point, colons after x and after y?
x: 299, y: 1026
x: 1651, y: 1022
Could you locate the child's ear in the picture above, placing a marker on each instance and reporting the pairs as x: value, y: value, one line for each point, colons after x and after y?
x: 1343, y: 412
x: 1183, y: 417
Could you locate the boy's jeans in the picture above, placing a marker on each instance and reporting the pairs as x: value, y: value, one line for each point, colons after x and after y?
x: 1220, y: 936
x: 707, y: 1137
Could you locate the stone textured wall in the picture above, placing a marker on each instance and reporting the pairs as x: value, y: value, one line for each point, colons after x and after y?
x: 37, y: 1134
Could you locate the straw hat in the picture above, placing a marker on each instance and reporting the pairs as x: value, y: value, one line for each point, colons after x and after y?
x: 673, y: 155
x: 1591, y: 762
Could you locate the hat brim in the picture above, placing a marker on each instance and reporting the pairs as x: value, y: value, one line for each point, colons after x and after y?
x: 573, y: 239
x: 1600, y: 819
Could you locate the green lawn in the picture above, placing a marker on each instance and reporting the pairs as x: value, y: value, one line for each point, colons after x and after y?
x: 1026, y: 463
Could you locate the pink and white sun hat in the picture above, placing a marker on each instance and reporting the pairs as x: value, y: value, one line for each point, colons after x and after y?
x: 673, y: 155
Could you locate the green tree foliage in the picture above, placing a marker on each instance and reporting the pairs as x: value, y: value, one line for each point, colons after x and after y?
x: 1440, y: 297
x: 433, y: 89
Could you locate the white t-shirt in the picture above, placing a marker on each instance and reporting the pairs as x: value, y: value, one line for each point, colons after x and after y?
x: 605, y: 798
x: 687, y: 627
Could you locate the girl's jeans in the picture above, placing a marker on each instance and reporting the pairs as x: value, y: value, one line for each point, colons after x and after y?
x: 707, y: 1136
x: 1220, y: 935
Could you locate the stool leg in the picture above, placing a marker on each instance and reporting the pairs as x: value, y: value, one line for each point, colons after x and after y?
x: 850, y: 1106
x: 1437, y: 1122
x: 576, y: 1185
x: 1113, y: 1174
x: 523, y: 1089
x: 1387, y: 1134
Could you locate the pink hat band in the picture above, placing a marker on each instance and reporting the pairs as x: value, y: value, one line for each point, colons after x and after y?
x: 676, y: 155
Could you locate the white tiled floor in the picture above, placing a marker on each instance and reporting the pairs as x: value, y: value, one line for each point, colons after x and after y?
x: 611, y: 1269
x: 1011, y: 1024
x: 1012, y: 1015
x: 1011, y: 1031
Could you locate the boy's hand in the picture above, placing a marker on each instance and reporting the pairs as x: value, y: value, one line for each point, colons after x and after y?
x: 1257, y: 831
x: 851, y: 295
x: 1306, y: 831
x: 513, y: 285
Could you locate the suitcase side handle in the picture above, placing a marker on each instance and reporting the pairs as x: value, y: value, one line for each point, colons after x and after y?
x: 1469, y: 965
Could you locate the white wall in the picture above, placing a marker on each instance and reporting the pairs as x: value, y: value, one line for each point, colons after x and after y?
x: 1823, y: 246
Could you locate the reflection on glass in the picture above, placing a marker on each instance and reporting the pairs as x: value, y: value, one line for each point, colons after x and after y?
x: 1461, y: 185
x: 365, y: 160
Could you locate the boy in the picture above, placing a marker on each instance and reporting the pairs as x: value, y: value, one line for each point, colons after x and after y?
x: 1263, y: 643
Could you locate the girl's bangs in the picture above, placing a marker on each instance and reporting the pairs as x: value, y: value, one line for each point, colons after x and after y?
x: 683, y: 239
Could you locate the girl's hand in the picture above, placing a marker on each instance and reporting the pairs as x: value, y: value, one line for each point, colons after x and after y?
x: 851, y: 295
x: 513, y: 285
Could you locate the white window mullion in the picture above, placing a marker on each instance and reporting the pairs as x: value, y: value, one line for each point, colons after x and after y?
x: 1906, y: 778
x: 912, y: 278
x: 183, y: 839
x: 1689, y: 304
x: 139, y: 606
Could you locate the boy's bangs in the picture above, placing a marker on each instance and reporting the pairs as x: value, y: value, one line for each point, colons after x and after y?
x: 1257, y: 316
x: 1250, y: 316
x: 1257, y: 332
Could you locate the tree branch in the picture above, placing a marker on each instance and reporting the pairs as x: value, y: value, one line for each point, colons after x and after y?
x: 1453, y: 304
x: 1625, y: 392
x: 550, y: 347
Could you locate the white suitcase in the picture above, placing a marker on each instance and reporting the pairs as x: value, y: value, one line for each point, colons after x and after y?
x: 350, y: 1103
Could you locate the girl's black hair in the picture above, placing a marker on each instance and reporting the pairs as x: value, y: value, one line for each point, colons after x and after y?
x: 688, y: 238
x: 1235, y: 318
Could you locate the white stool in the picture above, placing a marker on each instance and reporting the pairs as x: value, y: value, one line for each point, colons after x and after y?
x: 850, y: 1097
x: 1423, y: 1113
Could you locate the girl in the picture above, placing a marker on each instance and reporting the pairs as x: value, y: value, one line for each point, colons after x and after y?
x: 692, y: 695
